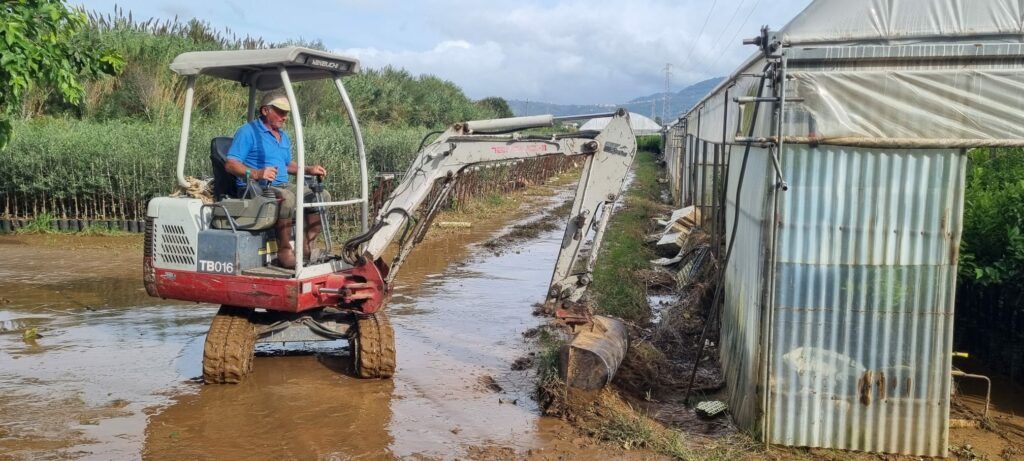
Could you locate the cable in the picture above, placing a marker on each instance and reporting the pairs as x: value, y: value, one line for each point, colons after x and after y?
x: 427, y: 136
x: 732, y: 238
x: 686, y: 62
x: 732, y: 18
x: 351, y: 245
x: 736, y: 34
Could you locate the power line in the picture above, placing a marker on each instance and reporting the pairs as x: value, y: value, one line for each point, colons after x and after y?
x: 693, y: 46
x: 736, y: 34
x: 732, y: 18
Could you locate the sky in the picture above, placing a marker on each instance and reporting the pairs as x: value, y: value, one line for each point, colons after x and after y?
x: 566, y: 52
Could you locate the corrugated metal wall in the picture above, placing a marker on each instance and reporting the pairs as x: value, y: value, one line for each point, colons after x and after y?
x: 844, y: 315
x: 865, y: 273
x: 674, y: 141
x: 742, y: 309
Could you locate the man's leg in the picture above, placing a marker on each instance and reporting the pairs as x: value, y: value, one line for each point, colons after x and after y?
x: 285, y: 252
x: 313, y: 223
x: 283, y: 227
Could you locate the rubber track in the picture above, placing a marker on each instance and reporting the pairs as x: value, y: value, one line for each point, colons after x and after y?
x: 375, y: 347
x: 230, y: 344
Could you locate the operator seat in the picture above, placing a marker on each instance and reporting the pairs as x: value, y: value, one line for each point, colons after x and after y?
x: 223, y: 182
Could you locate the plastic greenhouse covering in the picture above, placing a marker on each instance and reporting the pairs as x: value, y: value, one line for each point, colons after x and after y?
x: 915, y: 72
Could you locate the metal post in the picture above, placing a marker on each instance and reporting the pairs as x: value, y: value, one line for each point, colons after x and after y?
x: 185, y: 122
x: 360, y: 148
x: 781, y: 122
x: 703, y: 183
x: 698, y: 199
x: 300, y: 176
x: 714, y: 194
x: 719, y: 194
x: 693, y: 160
x: 251, y: 109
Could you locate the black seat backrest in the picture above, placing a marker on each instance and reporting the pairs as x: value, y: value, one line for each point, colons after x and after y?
x: 223, y: 182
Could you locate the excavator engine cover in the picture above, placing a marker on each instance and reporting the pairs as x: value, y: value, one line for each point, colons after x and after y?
x: 227, y: 252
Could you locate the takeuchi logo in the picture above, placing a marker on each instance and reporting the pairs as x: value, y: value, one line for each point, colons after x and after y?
x: 520, y: 148
x: 324, y: 63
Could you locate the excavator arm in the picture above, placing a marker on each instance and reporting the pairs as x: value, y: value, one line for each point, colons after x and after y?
x: 406, y: 215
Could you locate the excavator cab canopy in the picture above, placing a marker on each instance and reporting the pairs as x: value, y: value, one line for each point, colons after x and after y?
x: 262, y: 68
x: 268, y: 70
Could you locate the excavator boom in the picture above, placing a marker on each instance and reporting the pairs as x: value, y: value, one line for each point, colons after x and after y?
x: 608, y: 154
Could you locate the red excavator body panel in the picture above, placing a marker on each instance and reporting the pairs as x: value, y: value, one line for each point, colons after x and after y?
x: 361, y: 287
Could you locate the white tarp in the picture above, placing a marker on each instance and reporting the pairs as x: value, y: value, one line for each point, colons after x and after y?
x: 641, y: 125
x: 887, y: 21
x: 919, y: 104
x: 913, y: 71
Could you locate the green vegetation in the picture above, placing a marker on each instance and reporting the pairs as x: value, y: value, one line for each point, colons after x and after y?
x: 41, y: 43
x: 618, y: 289
x: 991, y: 271
x: 148, y: 90
x: 992, y: 248
x: 649, y: 143
x: 104, y: 154
x: 41, y: 224
x: 99, y: 170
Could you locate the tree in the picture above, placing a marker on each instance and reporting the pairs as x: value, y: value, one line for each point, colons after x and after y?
x: 42, y: 43
x: 497, y: 105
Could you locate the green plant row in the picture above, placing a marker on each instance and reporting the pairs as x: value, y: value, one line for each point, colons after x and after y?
x: 649, y: 143
x: 101, y: 170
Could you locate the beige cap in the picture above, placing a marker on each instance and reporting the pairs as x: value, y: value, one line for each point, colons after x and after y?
x: 277, y: 100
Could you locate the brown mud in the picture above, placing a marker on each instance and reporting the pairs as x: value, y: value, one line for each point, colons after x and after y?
x: 115, y: 374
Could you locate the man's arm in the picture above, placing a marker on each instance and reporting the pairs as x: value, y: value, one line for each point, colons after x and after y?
x: 238, y: 169
x: 315, y: 170
x: 239, y: 152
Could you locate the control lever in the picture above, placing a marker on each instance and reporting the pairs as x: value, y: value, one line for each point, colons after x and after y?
x: 268, y: 192
x: 316, y: 184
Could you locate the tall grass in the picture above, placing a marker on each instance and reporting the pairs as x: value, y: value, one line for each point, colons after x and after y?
x: 101, y: 170
x: 107, y: 157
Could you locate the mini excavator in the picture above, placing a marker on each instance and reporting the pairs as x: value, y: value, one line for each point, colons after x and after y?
x: 221, y: 251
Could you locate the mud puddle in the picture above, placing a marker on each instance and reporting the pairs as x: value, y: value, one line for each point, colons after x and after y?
x: 113, y: 374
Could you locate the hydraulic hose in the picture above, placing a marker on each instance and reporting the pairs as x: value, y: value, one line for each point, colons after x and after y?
x: 350, y: 255
x: 732, y: 237
x: 426, y: 137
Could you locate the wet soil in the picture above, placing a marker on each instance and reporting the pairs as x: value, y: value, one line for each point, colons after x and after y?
x: 115, y: 374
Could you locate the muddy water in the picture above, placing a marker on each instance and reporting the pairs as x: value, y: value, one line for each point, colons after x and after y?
x: 114, y: 373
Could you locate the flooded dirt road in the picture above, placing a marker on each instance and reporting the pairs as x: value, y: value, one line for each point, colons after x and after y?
x: 114, y: 373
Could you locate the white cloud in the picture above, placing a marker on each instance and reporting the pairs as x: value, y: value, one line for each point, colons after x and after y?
x: 573, y: 51
x: 593, y: 51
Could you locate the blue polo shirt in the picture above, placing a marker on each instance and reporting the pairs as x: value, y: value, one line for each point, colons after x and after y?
x: 256, y: 147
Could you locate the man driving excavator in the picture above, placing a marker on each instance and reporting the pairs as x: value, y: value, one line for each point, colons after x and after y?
x: 260, y: 151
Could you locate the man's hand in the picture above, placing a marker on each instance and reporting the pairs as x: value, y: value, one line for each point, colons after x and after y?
x: 316, y: 170
x: 268, y: 173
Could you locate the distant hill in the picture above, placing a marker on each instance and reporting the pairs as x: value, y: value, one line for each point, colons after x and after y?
x: 678, y: 103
